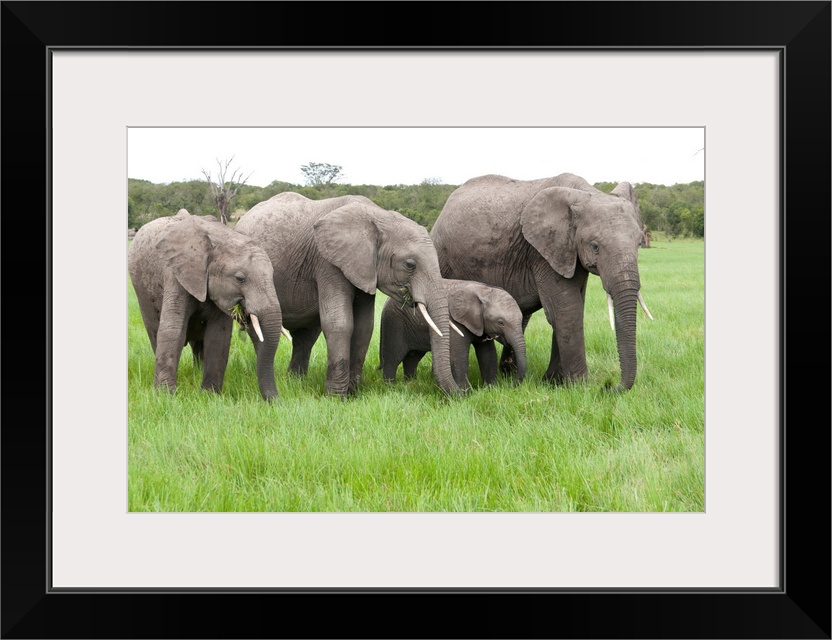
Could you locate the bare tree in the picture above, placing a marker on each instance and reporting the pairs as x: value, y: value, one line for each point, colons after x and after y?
x: 224, y: 189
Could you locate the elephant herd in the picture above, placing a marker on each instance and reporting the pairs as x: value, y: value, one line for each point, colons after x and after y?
x: 500, y: 250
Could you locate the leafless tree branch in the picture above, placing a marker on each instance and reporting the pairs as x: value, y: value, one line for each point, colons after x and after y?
x: 223, y: 190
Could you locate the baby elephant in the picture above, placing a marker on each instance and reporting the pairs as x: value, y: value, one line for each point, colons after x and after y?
x: 480, y: 314
x: 192, y: 276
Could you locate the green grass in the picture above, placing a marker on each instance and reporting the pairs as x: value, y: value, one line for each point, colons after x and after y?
x: 531, y: 447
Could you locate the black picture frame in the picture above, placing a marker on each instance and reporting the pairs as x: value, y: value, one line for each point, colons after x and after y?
x: 799, y: 608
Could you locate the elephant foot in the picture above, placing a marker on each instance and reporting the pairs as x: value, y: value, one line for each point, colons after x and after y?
x: 459, y: 392
x: 553, y: 378
x: 164, y: 385
x: 562, y: 380
x: 614, y: 389
x: 338, y: 393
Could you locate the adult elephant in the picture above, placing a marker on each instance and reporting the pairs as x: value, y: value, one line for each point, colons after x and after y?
x: 329, y: 257
x: 193, y: 276
x: 540, y: 240
x: 481, y: 315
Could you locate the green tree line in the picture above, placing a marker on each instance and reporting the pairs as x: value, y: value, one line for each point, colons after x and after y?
x: 676, y: 211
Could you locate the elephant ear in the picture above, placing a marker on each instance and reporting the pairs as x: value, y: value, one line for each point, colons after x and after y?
x: 185, y: 249
x: 548, y: 223
x: 466, y: 306
x: 348, y: 238
x: 625, y: 190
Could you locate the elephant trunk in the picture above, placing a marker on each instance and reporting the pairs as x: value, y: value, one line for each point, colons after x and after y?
x: 270, y: 320
x: 265, y: 358
x: 625, y: 302
x: 517, y: 342
x: 437, y: 307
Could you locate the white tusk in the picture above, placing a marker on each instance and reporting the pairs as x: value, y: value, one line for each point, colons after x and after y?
x: 644, y: 306
x: 427, y: 317
x: 256, y: 324
x: 612, y: 317
x: 456, y: 328
x: 285, y: 333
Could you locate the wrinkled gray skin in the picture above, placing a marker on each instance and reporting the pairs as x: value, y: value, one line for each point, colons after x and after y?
x: 188, y: 273
x: 482, y: 313
x: 329, y: 257
x: 540, y: 240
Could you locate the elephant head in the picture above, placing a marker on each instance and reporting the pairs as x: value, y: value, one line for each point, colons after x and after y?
x: 379, y: 249
x: 603, y: 231
x: 491, y: 313
x: 193, y: 277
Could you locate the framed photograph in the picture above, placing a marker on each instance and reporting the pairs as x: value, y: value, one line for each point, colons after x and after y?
x: 81, y: 560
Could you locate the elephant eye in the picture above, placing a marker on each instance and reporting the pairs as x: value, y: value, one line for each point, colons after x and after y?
x: 501, y: 322
x: 410, y: 263
x: 594, y: 246
x: 241, y: 278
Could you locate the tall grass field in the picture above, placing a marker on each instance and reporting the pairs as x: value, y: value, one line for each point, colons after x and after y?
x: 405, y: 447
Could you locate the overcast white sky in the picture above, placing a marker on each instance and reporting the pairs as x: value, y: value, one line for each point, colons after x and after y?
x: 384, y: 155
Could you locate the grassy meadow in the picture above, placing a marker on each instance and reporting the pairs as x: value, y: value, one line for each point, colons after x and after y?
x: 531, y: 447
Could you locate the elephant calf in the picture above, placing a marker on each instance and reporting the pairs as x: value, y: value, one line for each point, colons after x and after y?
x: 192, y: 276
x: 481, y: 314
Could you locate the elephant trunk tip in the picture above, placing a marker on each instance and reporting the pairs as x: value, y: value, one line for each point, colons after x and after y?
x: 271, y: 398
x: 618, y: 388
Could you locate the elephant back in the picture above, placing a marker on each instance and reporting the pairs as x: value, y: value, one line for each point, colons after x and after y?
x: 144, y: 243
x: 290, y: 206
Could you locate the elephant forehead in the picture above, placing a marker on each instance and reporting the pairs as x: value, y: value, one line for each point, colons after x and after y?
x: 256, y: 258
x: 244, y: 255
x: 513, y: 313
x: 409, y: 231
x: 236, y: 242
x: 611, y: 219
x: 503, y: 297
x: 409, y: 241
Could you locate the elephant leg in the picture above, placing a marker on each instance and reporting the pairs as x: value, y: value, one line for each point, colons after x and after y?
x: 338, y: 336
x: 196, y: 337
x: 487, y: 358
x: 410, y: 362
x: 363, y: 313
x: 508, y: 367
x: 337, y: 327
x: 393, y: 352
x: 553, y: 372
x: 150, y: 318
x: 216, y: 345
x: 563, y: 303
x: 460, y: 352
x: 302, y: 342
x: 170, y: 340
